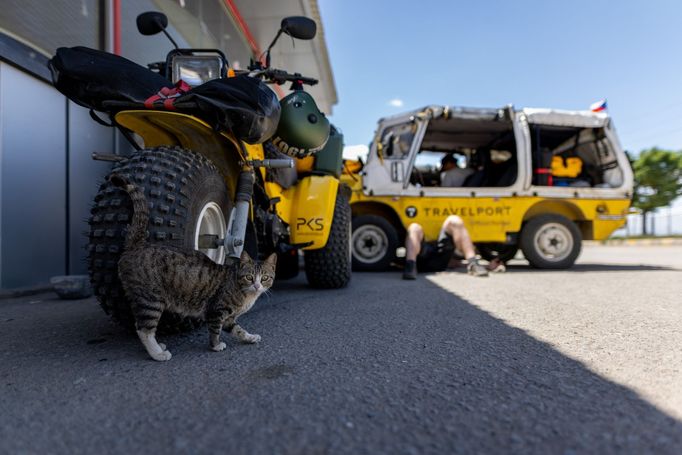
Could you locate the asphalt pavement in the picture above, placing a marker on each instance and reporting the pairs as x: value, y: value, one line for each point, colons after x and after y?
x: 587, y: 360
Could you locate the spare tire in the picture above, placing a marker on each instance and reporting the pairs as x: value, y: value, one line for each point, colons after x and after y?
x: 187, y: 198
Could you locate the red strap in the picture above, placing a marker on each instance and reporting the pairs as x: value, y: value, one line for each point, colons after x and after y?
x: 168, y: 95
x: 149, y: 102
x: 548, y: 172
x: 182, y: 86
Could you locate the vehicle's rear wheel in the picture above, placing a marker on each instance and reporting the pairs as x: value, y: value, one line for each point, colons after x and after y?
x: 502, y: 251
x: 188, y: 203
x: 330, y: 266
x: 551, y: 242
x: 374, y: 243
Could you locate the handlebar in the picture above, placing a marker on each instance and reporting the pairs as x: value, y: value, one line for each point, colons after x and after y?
x: 279, y: 77
x: 275, y: 163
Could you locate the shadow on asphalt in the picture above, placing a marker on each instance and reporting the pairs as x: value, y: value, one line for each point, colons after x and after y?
x: 385, y: 366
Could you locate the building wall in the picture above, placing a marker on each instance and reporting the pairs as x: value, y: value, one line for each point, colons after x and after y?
x: 47, y: 179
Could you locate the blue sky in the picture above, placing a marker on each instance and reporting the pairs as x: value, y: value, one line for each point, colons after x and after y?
x: 531, y: 53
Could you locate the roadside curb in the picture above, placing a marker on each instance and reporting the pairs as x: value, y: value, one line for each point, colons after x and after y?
x: 664, y: 241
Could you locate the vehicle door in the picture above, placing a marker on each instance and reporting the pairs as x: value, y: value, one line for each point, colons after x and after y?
x: 390, y: 155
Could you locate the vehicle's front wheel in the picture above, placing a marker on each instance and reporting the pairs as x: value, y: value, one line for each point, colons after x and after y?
x: 551, y: 242
x: 374, y: 243
x: 330, y: 266
x: 188, y: 205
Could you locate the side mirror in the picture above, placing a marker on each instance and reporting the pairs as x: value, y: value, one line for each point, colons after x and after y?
x: 299, y: 27
x: 151, y: 23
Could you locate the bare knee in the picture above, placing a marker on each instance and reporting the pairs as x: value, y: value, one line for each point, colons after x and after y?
x: 415, y: 228
x: 453, y: 221
x: 415, y: 233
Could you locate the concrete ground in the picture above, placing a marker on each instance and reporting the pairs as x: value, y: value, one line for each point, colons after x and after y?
x: 587, y: 360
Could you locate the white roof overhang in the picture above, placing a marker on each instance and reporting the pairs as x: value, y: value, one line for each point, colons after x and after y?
x: 310, y: 58
x: 579, y: 119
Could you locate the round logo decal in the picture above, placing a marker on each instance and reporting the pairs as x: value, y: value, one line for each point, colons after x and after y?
x: 411, y: 211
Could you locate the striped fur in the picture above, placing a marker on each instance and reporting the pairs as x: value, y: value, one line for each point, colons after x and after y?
x: 158, y: 278
x: 137, y: 231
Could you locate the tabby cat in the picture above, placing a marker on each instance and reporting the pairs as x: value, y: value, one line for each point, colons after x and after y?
x: 157, y: 278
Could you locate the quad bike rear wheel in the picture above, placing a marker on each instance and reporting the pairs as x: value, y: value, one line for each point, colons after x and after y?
x: 330, y: 266
x: 188, y: 203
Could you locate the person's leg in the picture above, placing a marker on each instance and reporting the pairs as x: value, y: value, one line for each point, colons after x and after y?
x: 413, y: 245
x: 454, y: 227
x: 413, y: 241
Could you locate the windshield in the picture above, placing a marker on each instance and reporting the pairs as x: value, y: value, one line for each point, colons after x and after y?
x: 396, y: 141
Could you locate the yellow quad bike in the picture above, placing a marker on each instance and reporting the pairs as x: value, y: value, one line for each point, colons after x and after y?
x: 210, y: 190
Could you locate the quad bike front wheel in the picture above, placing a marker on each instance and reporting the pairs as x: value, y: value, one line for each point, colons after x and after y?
x: 188, y: 205
x: 329, y: 267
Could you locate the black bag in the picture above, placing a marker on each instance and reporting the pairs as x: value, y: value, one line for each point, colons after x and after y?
x: 89, y: 77
x: 243, y: 105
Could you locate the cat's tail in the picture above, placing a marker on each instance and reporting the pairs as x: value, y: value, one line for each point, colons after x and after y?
x: 137, y: 231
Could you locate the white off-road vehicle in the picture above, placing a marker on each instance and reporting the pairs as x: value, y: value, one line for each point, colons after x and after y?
x: 537, y: 179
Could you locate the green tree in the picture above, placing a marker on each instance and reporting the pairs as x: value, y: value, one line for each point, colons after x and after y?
x: 658, y: 180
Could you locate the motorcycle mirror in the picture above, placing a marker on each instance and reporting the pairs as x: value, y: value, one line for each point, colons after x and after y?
x: 299, y: 27
x: 151, y: 23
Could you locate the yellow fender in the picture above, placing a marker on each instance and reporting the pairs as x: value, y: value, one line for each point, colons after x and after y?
x: 158, y: 128
x: 308, y: 208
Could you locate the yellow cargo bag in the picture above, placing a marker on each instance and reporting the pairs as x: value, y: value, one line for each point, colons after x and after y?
x: 566, y: 167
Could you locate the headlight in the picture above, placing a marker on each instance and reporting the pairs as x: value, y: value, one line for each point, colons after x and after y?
x: 196, y: 69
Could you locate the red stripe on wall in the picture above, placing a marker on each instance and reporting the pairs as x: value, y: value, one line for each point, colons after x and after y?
x: 117, y: 26
x: 244, y: 28
x: 255, y: 48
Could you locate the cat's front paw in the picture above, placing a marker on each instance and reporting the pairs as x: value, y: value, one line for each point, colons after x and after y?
x: 219, y: 347
x: 161, y: 356
x: 252, y: 338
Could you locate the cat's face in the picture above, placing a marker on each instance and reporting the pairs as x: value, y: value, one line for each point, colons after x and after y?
x: 254, y: 278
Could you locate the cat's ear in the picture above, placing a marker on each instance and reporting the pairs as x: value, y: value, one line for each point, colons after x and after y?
x: 271, y: 260
x: 245, y: 257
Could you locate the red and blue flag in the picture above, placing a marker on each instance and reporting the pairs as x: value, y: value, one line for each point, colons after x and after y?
x: 599, y: 106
